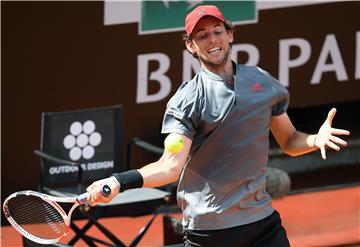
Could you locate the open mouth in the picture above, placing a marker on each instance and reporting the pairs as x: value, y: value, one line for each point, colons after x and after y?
x: 213, y: 50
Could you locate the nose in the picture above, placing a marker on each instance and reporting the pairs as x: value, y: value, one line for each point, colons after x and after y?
x: 212, y: 38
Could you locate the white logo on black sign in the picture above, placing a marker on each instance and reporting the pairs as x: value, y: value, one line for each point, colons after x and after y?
x: 82, y: 140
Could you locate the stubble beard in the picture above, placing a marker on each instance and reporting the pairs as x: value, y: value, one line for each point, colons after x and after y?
x: 214, y: 64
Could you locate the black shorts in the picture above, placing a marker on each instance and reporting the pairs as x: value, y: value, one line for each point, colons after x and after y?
x: 264, y: 233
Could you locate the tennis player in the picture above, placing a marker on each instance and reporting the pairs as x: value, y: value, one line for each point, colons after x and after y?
x: 224, y: 114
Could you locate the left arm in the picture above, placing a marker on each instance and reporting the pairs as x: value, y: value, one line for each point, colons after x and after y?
x: 294, y: 142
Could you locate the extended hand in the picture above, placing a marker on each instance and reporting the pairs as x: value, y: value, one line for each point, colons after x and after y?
x: 326, y: 137
x: 94, y: 190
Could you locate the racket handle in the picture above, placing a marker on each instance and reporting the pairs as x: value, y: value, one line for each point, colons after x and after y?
x: 82, y: 198
x: 105, y: 191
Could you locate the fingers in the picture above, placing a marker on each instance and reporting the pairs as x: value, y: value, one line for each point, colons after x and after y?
x: 331, y: 116
x: 333, y: 145
x: 338, y: 140
x: 327, y: 136
x: 95, y: 191
x: 323, y: 152
x: 340, y: 132
x: 95, y: 195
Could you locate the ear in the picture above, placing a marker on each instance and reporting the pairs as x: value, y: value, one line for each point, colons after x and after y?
x: 231, y: 35
x: 189, y: 46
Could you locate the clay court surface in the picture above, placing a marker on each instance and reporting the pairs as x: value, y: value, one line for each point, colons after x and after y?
x: 322, y: 218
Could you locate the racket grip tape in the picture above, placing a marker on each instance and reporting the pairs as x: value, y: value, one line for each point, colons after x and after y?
x: 105, y: 191
x: 82, y: 198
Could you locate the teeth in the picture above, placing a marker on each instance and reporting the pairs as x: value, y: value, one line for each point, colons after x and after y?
x: 214, y: 49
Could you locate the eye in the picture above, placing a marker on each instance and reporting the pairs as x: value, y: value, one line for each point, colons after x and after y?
x: 218, y: 32
x: 202, y: 36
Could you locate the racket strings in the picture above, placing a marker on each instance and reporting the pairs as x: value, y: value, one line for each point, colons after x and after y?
x: 29, y: 214
x: 37, y: 216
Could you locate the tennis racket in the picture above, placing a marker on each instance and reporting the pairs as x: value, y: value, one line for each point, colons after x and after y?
x: 39, y: 217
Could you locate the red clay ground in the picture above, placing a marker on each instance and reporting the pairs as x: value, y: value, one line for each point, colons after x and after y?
x: 324, y: 218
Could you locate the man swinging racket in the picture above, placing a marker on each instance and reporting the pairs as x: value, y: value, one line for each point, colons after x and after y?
x: 224, y: 116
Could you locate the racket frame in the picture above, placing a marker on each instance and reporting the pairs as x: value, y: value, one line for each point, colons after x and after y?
x: 52, y: 200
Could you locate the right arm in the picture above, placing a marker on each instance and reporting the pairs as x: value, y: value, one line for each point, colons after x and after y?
x: 167, y: 169
x: 164, y: 171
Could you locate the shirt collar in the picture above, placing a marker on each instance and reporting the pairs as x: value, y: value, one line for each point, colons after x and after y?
x: 216, y: 77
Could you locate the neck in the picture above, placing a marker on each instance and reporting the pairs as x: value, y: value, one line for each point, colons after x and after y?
x: 225, y: 70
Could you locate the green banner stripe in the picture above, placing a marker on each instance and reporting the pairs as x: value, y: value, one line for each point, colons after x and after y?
x: 155, y: 15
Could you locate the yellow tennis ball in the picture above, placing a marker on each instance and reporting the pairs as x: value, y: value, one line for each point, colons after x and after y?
x: 174, y: 143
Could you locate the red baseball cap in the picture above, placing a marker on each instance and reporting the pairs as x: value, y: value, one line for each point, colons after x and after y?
x: 199, y: 12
